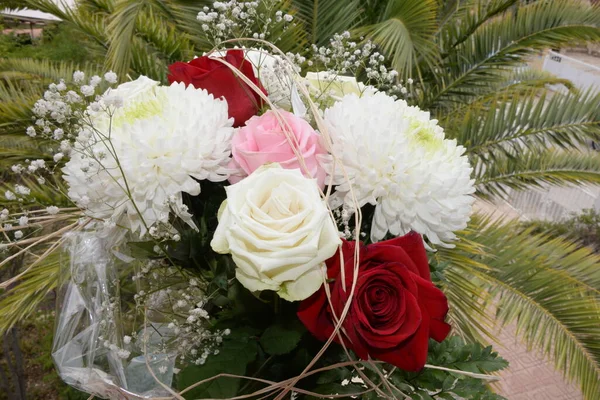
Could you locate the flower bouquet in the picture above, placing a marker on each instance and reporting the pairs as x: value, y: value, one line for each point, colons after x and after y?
x: 257, y: 228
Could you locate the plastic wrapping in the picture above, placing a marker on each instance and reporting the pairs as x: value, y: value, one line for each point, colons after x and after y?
x: 91, y: 349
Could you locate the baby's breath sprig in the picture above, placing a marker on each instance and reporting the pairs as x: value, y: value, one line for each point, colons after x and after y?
x: 232, y: 19
x: 346, y: 57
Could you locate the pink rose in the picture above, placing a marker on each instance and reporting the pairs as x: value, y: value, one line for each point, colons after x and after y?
x: 263, y: 140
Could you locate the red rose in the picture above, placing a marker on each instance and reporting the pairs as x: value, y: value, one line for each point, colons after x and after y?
x: 395, y: 308
x: 210, y: 74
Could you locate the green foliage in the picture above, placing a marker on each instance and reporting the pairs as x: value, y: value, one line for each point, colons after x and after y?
x: 501, y: 43
x: 41, y: 379
x: 429, y: 383
x: 453, y: 354
x: 583, y: 228
x: 405, y: 31
x: 322, y: 19
x: 11, y: 4
x: 59, y: 42
x: 532, y: 169
x: 333, y: 388
x: 471, y: 357
x: 279, y: 339
x: 236, y: 353
x: 548, y: 286
x: 535, y: 122
x: 29, y: 293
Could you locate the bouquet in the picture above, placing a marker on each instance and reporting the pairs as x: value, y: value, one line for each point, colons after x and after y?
x: 258, y: 227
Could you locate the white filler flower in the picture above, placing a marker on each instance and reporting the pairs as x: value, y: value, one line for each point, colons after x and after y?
x: 132, y: 168
x: 397, y: 159
x: 278, y: 230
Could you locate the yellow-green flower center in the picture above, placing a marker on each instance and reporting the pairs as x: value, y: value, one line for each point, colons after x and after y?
x: 424, y: 136
x: 138, y: 110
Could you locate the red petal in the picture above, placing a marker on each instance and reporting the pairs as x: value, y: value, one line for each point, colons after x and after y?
x: 435, y: 302
x: 412, y: 244
x: 313, y: 314
x: 180, y: 72
x: 379, y: 339
x: 221, y: 82
x: 412, y: 354
x: 334, y: 263
x: 439, y: 330
x: 204, y: 64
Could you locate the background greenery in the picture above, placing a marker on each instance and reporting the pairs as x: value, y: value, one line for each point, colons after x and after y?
x: 59, y: 42
x: 467, y: 59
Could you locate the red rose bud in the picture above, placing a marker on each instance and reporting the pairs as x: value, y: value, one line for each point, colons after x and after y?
x: 395, y: 308
x: 216, y: 77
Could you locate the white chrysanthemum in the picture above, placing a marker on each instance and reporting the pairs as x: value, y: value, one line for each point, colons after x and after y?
x: 397, y: 158
x: 165, y: 138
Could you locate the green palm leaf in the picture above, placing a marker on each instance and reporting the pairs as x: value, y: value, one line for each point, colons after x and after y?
x: 90, y: 23
x: 511, y: 122
x: 533, y: 169
x: 502, y: 43
x: 123, y: 38
x: 43, y: 71
x: 32, y: 290
x: 404, y: 31
x: 518, y: 85
x: 465, y: 18
x: 562, y: 320
x: 323, y: 18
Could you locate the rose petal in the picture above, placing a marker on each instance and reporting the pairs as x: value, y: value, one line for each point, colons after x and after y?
x: 412, y: 244
x: 411, y: 355
x: 387, y: 252
x: 386, y: 339
x: 435, y: 302
x: 312, y: 312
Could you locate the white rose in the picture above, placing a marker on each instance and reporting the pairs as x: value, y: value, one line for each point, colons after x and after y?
x: 336, y: 86
x: 278, y: 230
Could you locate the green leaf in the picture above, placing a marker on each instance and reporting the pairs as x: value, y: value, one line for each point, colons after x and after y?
x: 321, y: 19
x: 142, y: 250
x: 233, y: 358
x: 281, y: 339
x: 336, y: 388
x: 333, y: 375
x: 404, y: 31
x: 548, y: 286
x: 472, y: 357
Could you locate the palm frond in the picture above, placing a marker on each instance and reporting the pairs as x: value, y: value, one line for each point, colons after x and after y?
x: 405, y: 32
x: 323, y: 18
x: 166, y: 39
x: 31, y: 290
x: 511, y: 122
x: 43, y: 71
x: 504, y: 42
x: 533, y: 169
x: 90, y: 23
x: 122, y: 30
x: 97, y: 6
x: 562, y: 320
x: 517, y: 85
x: 466, y: 18
x: 15, y: 108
